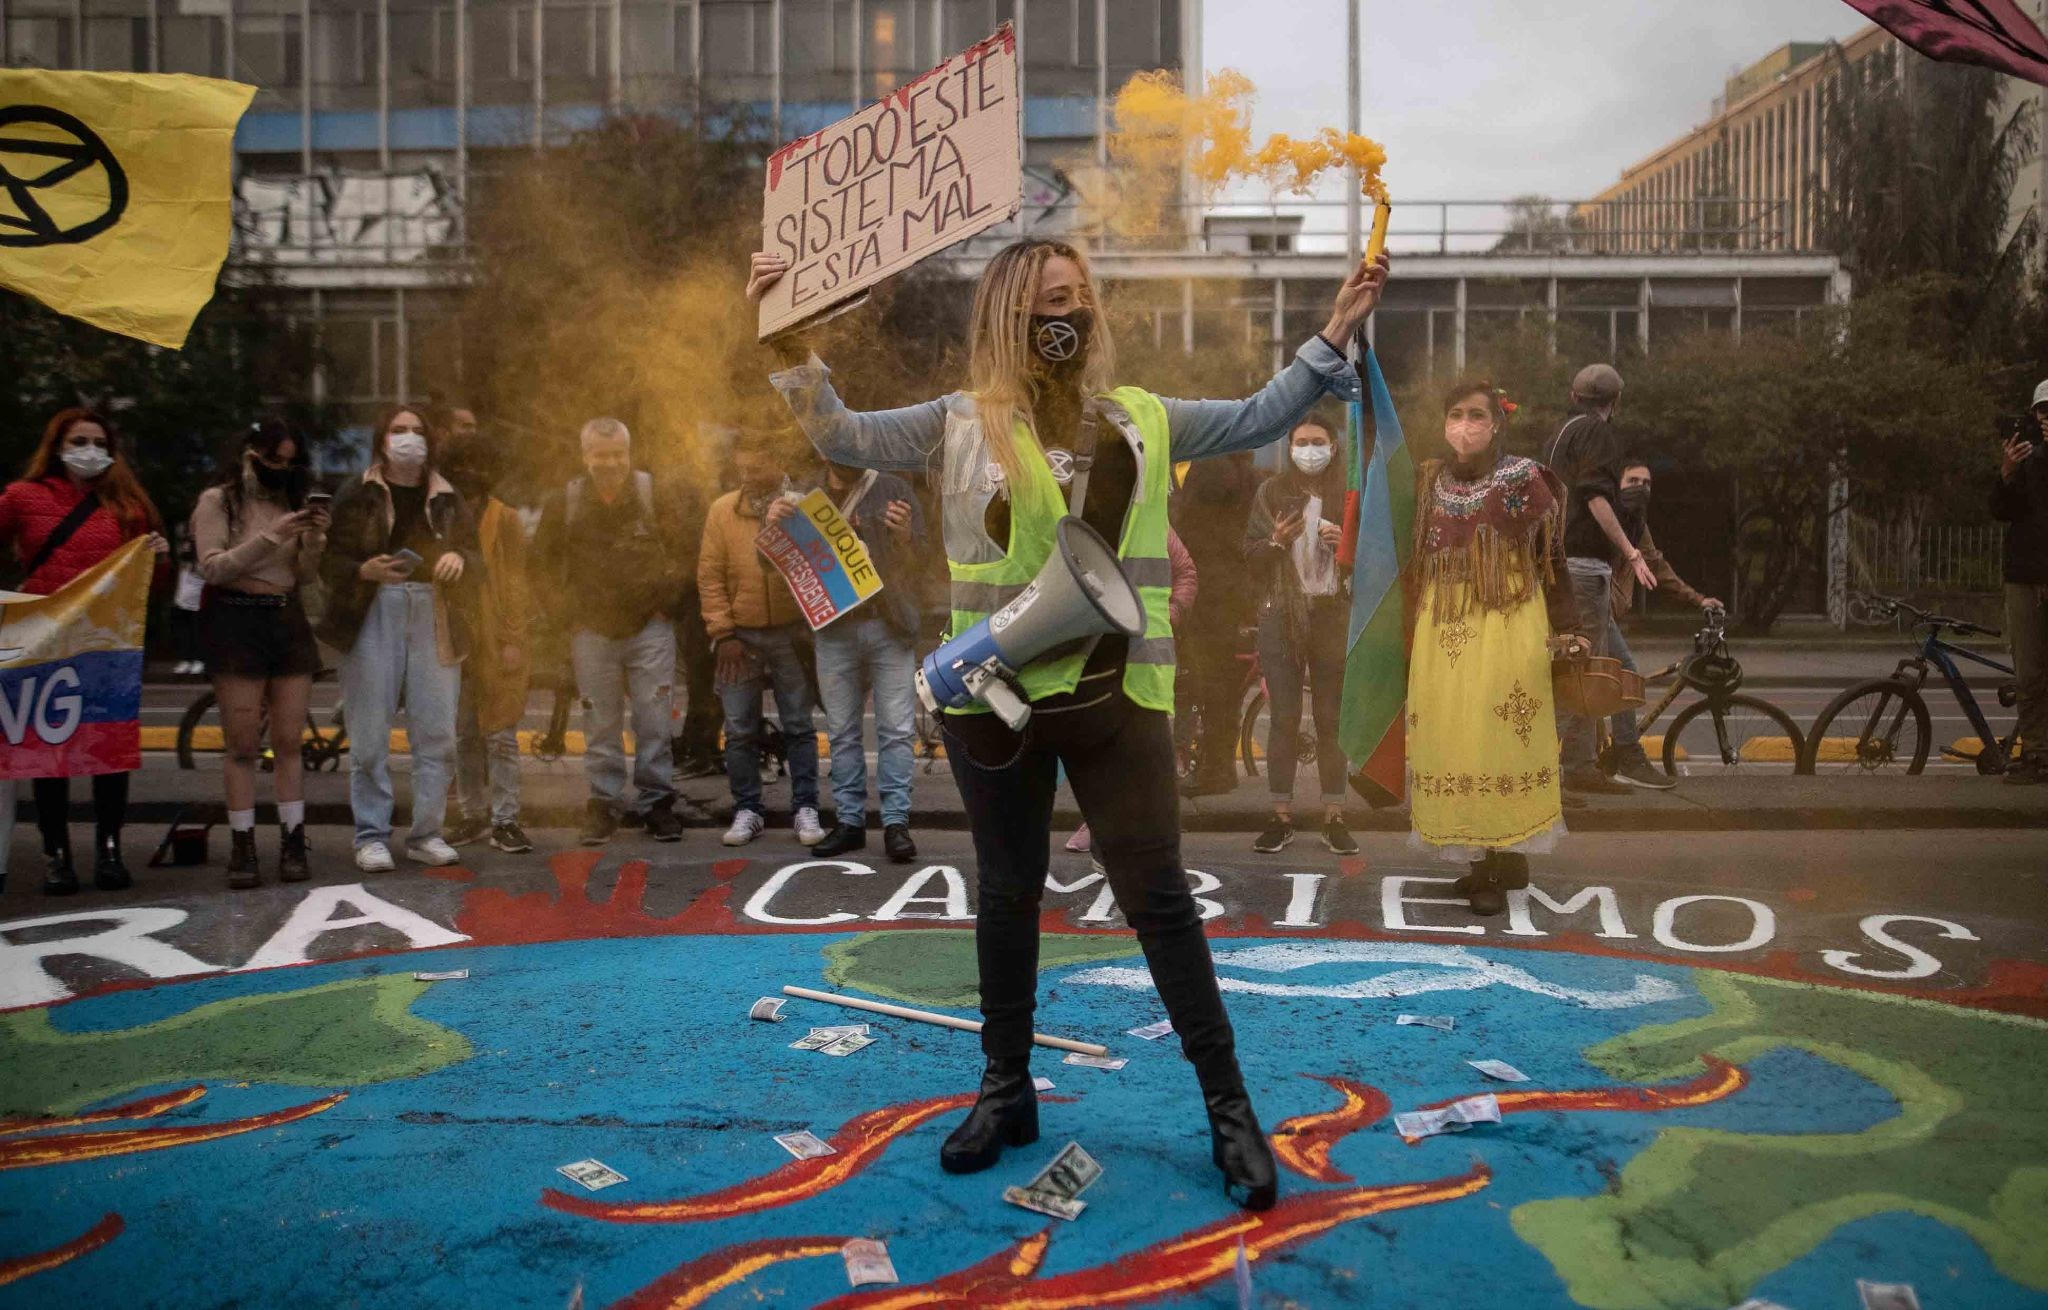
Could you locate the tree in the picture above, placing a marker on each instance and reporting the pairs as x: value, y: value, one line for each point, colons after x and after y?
x: 1536, y: 225
x: 1857, y: 389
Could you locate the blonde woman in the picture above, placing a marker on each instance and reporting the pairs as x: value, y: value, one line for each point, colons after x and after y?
x: 1041, y: 432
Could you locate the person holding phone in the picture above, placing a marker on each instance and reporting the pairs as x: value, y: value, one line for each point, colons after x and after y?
x: 400, y: 563
x: 2020, y: 501
x: 258, y: 538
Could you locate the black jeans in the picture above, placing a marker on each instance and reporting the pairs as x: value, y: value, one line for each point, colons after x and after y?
x: 1287, y: 667
x: 53, y: 809
x: 1119, y: 760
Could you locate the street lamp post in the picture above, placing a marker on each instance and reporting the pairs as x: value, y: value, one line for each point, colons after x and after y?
x: 1353, y: 211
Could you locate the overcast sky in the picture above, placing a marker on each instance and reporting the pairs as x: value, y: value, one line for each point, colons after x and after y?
x: 1485, y: 99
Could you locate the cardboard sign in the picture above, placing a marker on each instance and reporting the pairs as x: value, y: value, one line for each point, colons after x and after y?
x: 822, y: 558
x: 937, y: 160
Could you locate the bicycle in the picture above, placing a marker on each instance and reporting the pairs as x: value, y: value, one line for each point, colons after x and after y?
x: 1251, y: 697
x: 1741, y: 732
x: 1889, y: 715
x: 318, y: 748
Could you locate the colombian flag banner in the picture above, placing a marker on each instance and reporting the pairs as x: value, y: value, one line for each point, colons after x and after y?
x: 117, y: 194
x: 71, y: 672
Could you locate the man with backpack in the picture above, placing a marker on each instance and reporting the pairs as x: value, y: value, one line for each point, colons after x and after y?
x: 612, y: 563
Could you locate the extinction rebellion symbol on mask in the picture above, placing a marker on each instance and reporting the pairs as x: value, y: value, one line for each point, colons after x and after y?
x: 1057, y: 341
x: 49, y: 167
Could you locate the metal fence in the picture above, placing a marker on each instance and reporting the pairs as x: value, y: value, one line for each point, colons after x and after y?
x: 1892, y: 558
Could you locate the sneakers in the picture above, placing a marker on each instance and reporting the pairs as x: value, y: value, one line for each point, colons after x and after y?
x: 1080, y: 841
x: 663, y: 825
x: 746, y: 825
x: 433, y: 851
x: 466, y: 830
x: 1639, y: 773
x: 599, y: 823
x: 510, y: 838
x: 808, y: 830
x: 1591, y: 781
x: 374, y: 857
x: 188, y: 668
x: 1275, y: 837
x: 1338, y: 838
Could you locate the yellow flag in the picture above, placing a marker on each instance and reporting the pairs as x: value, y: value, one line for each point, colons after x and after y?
x: 117, y: 194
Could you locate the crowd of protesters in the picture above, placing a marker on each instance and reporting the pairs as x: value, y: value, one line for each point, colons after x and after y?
x: 438, y: 601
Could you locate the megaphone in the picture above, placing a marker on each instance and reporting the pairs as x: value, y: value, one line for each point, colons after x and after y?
x: 1081, y: 592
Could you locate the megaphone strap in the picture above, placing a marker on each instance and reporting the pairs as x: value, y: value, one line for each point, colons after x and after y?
x: 959, y: 743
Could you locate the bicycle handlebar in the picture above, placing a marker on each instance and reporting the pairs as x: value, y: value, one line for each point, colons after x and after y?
x: 1892, y: 606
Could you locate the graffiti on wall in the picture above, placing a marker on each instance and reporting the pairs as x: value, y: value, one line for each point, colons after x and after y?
x: 340, y: 216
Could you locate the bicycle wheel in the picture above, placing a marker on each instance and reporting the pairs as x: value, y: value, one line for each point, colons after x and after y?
x: 1247, y: 733
x: 1740, y: 735
x: 1873, y: 727
x: 198, y: 730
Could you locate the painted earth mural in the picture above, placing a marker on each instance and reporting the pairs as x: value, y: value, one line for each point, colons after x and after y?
x: 344, y: 1134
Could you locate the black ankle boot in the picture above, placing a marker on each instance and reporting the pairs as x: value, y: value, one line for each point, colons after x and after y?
x: 291, y: 856
x: 243, y: 869
x: 59, y: 878
x: 1005, y: 1115
x: 1239, y: 1147
x: 109, y: 874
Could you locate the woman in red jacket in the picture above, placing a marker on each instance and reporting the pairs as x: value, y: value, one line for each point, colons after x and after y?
x: 79, y: 456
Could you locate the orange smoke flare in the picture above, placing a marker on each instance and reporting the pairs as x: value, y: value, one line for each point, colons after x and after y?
x: 92, y: 1239
x: 69, y: 1147
x: 1174, y: 1267
x: 1296, y: 164
x: 1721, y: 1079
x: 859, y: 1142
x: 146, y: 1108
x: 693, y: 1284
x: 1303, y: 1143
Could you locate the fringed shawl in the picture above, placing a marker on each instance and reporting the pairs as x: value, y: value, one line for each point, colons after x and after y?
x: 1498, y: 533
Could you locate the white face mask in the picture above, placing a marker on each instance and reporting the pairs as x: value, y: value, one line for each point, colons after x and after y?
x: 1312, y: 459
x: 87, y: 461
x: 408, y: 450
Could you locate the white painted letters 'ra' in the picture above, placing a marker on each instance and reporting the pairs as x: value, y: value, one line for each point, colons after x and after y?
x: 1920, y: 963
x: 314, y: 917
x: 123, y: 936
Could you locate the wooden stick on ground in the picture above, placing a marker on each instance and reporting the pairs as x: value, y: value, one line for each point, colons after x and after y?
x: 941, y: 1020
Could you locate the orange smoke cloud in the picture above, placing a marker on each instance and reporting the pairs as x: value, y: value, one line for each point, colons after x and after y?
x: 1157, y: 123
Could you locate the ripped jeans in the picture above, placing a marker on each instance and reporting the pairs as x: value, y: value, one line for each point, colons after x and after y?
x: 610, y: 671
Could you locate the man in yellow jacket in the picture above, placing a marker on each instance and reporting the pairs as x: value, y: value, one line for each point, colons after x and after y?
x: 495, y: 679
x: 761, y: 643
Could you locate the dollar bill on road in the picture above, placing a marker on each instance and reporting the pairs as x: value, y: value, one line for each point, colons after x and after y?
x: 1443, y: 1023
x: 841, y: 1029
x: 814, y: 1041
x: 805, y: 1145
x: 1045, y: 1203
x: 1072, y: 1172
x: 1041, y: 1084
x: 845, y: 1044
x: 1096, y: 1061
x: 1152, y: 1032
x: 1453, y: 1118
x: 768, y: 1010
x: 1499, y: 1071
x: 449, y: 975
x: 1887, y: 1296
x: 867, y: 1262
x: 593, y: 1174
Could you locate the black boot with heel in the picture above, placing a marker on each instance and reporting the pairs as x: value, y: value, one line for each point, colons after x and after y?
x: 109, y: 870
x: 243, y: 869
x: 59, y: 877
x: 1240, y: 1149
x: 1006, y: 1114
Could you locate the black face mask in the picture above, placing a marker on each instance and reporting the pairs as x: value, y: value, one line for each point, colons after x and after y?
x: 1060, y: 341
x: 289, y: 481
x: 1635, y: 501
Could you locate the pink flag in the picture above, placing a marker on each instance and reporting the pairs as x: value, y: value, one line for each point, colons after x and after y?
x: 1993, y: 33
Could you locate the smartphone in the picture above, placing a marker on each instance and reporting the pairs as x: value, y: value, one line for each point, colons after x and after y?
x: 410, y: 558
x: 319, y: 499
x: 2015, y: 425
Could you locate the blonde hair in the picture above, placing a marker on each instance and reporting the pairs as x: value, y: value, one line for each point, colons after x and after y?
x: 1000, y: 363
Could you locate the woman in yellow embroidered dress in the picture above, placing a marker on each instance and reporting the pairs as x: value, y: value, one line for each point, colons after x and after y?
x: 1486, y: 589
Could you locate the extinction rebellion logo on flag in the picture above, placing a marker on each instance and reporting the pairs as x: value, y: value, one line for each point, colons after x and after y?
x: 67, y: 168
